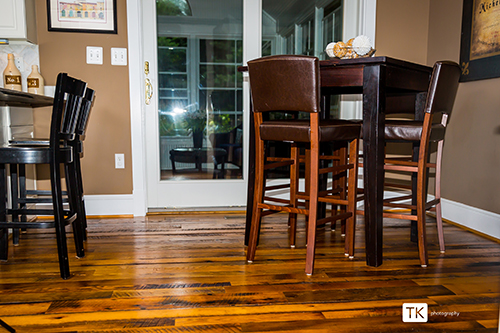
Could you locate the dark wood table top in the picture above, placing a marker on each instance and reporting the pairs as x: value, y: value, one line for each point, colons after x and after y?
x: 23, y: 99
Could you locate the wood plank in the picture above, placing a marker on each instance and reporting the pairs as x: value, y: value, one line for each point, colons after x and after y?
x: 188, y: 273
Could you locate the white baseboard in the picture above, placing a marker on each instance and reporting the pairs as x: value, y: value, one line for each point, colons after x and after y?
x: 473, y: 218
x: 102, y: 205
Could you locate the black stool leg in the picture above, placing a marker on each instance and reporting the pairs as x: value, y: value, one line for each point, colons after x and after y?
x: 4, y: 232
x: 74, y: 203
x: 62, y: 246
x: 14, y: 190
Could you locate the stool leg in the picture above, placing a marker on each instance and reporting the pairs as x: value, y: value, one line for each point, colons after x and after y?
x: 75, y: 204
x: 313, y: 207
x: 4, y: 232
x: 14, y: 190
x: 62, y: 247
x: 294, y: 179
x: 258, y: 198
x: 352, y: 191
x: 439, y: 217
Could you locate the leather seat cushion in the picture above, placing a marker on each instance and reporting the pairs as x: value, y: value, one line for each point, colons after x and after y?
x: 411, y: 130
x: 299, y: 131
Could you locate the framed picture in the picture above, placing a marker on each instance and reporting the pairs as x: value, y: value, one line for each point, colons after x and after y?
x: 480, y: 46
x: 93, y: 16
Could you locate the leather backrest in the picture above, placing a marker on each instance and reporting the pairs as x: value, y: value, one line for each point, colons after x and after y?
x: 285, y: 83
x: 443, y: 87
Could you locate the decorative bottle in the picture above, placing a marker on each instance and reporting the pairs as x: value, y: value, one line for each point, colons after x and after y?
x: 35, y: 81
x: 12, y: 75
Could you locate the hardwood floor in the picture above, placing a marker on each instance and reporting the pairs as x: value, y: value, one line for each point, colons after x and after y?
x: 187, y: 273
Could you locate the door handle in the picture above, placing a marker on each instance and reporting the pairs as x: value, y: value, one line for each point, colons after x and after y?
x: 149, y: 91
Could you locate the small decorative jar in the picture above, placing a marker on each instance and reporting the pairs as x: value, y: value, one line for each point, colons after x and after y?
x: 36, y: 83
x: 12, y: 75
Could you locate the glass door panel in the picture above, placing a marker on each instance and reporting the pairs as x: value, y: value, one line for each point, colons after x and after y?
x: 200, y: 94
x: 194, y: 122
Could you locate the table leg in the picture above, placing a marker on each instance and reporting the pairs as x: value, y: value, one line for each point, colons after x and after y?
x: 373, y: 151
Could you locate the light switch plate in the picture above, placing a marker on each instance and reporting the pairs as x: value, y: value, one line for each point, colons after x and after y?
x: 94, y: 55
x: 118, y: 56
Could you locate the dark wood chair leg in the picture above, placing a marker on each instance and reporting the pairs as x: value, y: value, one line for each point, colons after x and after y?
x: 4, y: 233
x: 62, y: 247
x: 81, y: 211
x: 14, y: 190
x: 75, y: 204
x: 257, y: 198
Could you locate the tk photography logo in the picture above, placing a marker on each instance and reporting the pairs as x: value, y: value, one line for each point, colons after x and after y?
x: 415, y: 312
x: 418, y: 313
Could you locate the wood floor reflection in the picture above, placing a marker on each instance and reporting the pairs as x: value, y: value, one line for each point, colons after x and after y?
x: 187, y: 273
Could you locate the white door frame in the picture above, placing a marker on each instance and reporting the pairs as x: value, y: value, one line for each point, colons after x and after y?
x: 364, y: 11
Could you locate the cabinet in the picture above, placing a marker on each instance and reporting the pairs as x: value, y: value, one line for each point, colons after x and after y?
x: 18, y: 20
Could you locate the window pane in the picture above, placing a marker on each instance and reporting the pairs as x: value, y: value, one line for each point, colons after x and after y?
x: 173, y: 80
x: 197, y: 73
x: 224, y: 100
x: 171, y: 60
x: 217, y: 51
x: 172, y: 93
x: 217, y: 76
x: 169, y: 105
x: 172, y: 41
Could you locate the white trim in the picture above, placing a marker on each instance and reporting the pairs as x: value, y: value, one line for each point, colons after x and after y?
x: 138, y: 204
x: 473, y: 218
x: 365, y: 12
x: 118, y: 204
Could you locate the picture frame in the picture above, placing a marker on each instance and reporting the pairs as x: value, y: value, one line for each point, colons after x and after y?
x: 95, y: 16
x: 480, y: 42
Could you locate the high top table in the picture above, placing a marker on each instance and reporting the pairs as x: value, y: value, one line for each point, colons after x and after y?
x: 388, y: 85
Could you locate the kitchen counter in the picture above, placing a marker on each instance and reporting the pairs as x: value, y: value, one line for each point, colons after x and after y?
x: 22, y: 99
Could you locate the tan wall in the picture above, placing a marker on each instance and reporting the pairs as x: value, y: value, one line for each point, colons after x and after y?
x: 427, y: 31
x: 402, y: 29
x: 471, y: 157
x: 108, y: 130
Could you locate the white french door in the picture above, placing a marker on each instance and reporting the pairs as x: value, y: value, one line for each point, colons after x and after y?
x: 191, y: 73
x: 196, y: 72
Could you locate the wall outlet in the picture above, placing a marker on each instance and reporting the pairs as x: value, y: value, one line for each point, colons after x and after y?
x: 19, y: 61
x: 118, y: 56
x: 94, y: 55
x: 119, y: 161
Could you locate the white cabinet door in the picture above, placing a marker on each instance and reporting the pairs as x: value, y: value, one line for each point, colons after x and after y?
x: 18, y: 20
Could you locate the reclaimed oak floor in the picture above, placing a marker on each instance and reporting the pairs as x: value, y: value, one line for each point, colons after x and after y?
x: 187, y: 273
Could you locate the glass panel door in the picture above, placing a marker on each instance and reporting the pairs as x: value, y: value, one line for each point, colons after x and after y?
x: 194, y: 121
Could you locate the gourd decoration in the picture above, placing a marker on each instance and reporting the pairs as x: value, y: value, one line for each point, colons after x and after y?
x: 359, y: 47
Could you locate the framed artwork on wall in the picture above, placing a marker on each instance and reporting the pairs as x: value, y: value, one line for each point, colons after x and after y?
x: 480, y: 46
x: 95, y: 16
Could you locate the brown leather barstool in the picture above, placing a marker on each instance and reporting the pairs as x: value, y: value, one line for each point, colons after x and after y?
x: 438, y: 106
x: 290, y: 84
